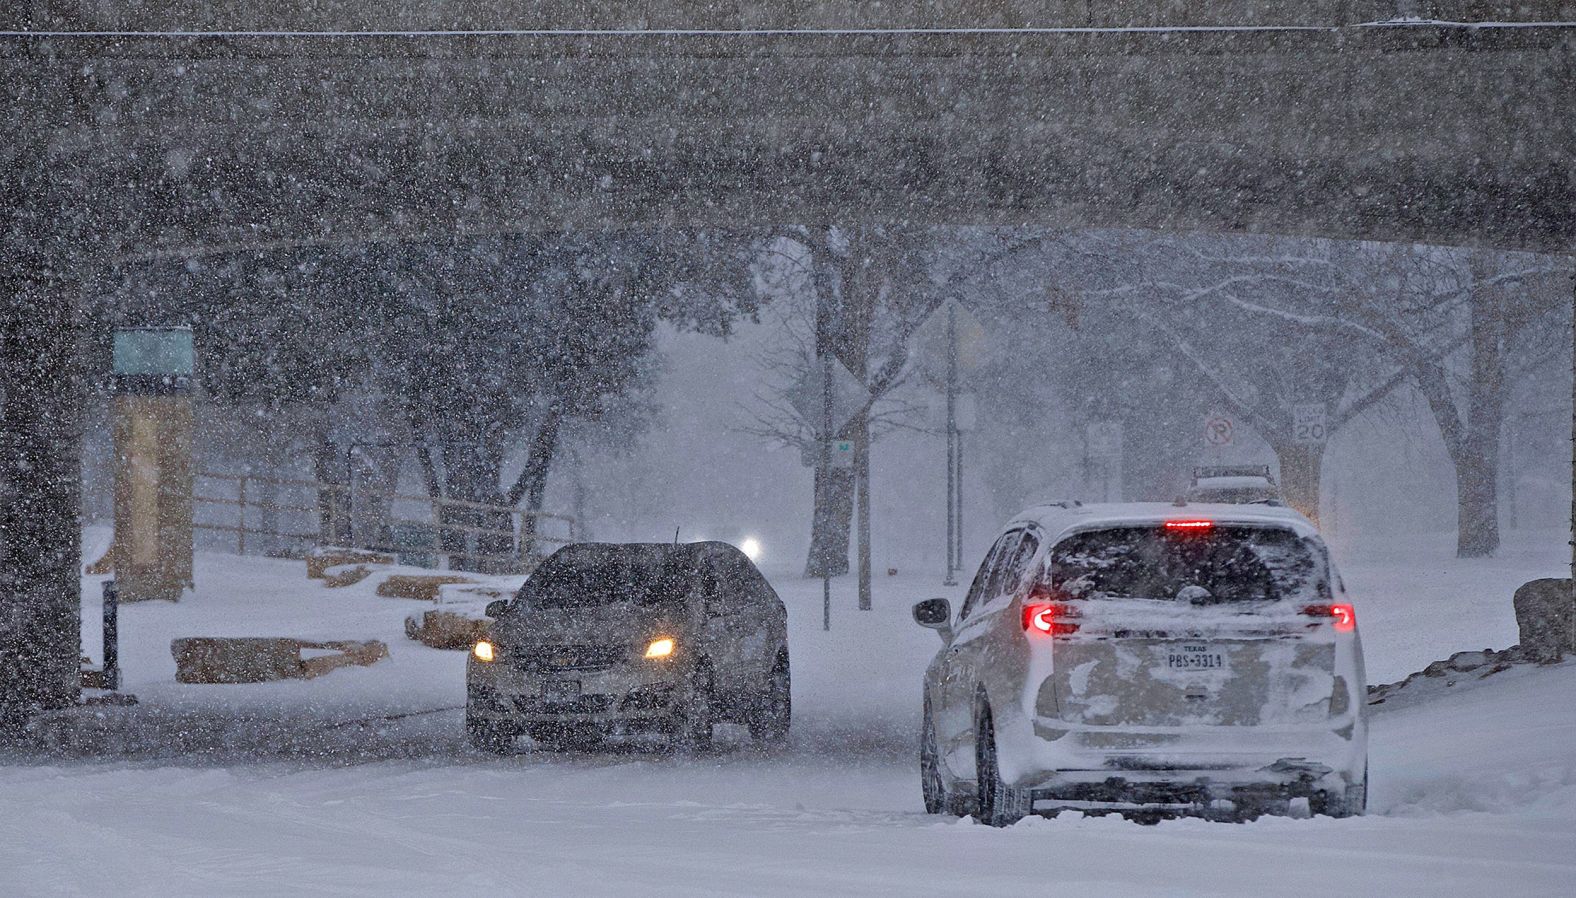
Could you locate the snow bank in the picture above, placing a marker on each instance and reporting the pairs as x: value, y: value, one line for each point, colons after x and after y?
x: 1502, y: 744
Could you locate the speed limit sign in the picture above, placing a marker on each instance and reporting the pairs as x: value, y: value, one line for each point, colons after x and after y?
x: 1218, y: 430
x: 1309, y: 426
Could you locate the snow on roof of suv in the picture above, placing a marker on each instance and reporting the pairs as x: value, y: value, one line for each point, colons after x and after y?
x: 1060, y: 519
x: 1245, y: 481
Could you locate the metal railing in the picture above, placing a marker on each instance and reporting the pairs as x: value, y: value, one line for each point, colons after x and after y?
x: 450, y: 531
x: 240, y: 502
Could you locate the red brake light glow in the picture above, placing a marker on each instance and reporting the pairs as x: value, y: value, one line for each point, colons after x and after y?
x: 1345, y: 616
x: 1049, y: 619
x: 1190, y: 526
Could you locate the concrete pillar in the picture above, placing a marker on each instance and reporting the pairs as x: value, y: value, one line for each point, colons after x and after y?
x: 41, y: 398
x: 40, y: 468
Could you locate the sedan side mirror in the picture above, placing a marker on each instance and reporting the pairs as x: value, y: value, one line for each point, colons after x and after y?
x: 936, y: 614
x: 496, y: 609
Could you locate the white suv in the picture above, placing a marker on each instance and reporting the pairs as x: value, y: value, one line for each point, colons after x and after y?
x: 1147, y: 659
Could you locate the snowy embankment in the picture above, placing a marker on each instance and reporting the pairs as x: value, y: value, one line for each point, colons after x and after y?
x: 335, y: 785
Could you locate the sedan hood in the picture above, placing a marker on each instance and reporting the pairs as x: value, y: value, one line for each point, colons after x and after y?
x: 594, y: 625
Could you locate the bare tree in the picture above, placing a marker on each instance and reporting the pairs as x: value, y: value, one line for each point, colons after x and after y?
x: 873, y: 288
x: 1467, y: 327
x: 847, y: 292
x: 1349, y: 327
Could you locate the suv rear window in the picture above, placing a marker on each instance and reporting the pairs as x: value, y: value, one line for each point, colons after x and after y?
x: 1222, y: 564
x: 587, y: 578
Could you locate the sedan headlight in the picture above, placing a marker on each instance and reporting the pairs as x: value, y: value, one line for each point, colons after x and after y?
x: 660, y: 648
x: 484, y: 651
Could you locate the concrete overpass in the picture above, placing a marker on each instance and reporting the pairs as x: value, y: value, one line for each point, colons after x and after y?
x: 196, y: 127
x: 1280, y: 117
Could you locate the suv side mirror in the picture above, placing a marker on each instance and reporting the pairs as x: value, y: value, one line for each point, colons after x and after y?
x: 496, y: 609
x: 936, y: 614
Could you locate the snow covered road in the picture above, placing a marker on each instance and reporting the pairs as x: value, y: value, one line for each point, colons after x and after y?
x: 1474, y: 791
x: 1456, y: 815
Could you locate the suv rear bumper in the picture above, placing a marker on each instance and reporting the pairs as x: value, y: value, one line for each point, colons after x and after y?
x: 1145, y: 766
x: 1198, y: 796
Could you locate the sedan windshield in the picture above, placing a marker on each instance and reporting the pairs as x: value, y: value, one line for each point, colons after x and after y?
x: 588, y: 578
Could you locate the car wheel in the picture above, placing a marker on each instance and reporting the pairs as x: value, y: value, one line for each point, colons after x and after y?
x: 773, y: 713
x: 937, y: 801
x: 998, y: 804
x: 692, y: 723
x: 489, y: 736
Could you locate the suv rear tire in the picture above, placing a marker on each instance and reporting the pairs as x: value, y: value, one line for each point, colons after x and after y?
x: 998, y: 804
x: 931, y: 784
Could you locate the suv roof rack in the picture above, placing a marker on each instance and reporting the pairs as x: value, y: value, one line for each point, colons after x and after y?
x: 1211, y: 471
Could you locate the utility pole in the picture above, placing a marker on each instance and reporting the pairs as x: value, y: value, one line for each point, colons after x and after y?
x: 857, y: 312
x: 953, y: 537
x: 1571, y: 641
x: 957, y: 553
x: 823, y: 349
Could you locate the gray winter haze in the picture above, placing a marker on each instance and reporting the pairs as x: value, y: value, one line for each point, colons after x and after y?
x: 775, y: 447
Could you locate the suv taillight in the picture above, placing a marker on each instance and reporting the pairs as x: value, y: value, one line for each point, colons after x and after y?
x: 1048, y: 618
x: 1345, y: 616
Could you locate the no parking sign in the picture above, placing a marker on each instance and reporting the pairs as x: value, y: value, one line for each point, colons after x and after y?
x: 1218, y: 430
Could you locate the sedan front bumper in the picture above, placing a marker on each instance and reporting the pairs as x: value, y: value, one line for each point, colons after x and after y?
x: 624, y: 696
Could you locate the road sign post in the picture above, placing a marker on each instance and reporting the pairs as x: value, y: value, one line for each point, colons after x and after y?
x: 1103, y: 448
x: 830, y: 395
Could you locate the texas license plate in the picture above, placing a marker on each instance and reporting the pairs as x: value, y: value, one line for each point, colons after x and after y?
x: 1195, y: 657
x: 560, y: 690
